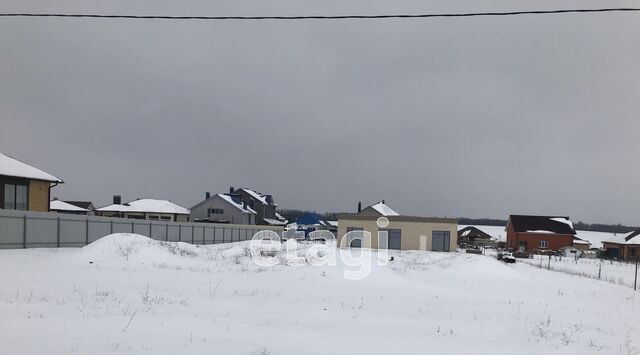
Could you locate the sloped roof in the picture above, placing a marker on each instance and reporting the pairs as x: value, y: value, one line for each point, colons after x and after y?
x: 542, y: 224
x: 257, y: 195
x: 630, y: 238
x: 13, y: 167
x: 274, y: 222
x: 57, y: 205
x: 309, y: 219
x: 473, y: 232
x: 82, y: 204
x: 384, y: 210
x: 237, y: 203
x: 147, y: 205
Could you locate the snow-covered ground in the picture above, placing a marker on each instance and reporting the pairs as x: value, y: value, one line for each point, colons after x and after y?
x: 595, y: 238
x: 620, y: 273
x: 130, y: 294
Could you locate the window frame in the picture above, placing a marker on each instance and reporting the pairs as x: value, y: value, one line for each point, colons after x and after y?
x: 543, y: 244
x: 15, y: 182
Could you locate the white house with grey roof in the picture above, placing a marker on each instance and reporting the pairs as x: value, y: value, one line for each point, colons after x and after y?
x: 223, y: 208
x: 146, y: 208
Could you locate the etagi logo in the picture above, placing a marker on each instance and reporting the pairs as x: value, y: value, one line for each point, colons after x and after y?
x: 320, y: 249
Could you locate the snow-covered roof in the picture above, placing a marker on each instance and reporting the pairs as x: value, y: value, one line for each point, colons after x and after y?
x: 629, y: 238
x: 333, y: 223
x: 564, y: 220
x: 146, y: 205
x: 237, y: 204
x: 14, y: 167
x: 580, y: 241
x: 255, y: 194
x: 384, y: 210
x: 57, y: 205
x: 280, y: 217
x: 274, y: 222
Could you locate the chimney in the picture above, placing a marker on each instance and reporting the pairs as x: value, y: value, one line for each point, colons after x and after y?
x: 207, y: 195
x: 117, y: 199
x: 383, y: 202
x: 231, y: 190
x: 244, y: 205
x: 359, y: 206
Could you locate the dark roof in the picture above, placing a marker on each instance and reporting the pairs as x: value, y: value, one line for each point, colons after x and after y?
x: 473, y: 233
x: 523, y: 223
x: 82, y: 204
x: 633, y: 234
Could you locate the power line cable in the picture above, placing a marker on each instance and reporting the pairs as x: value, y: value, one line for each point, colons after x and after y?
x: 328, y: 17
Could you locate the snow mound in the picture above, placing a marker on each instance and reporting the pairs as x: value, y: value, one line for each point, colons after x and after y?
x: 128, y: 246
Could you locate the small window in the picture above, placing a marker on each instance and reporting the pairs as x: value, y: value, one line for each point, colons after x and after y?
x: 155, y: 218
x: 165, y: 218
x: 215, y: 211
x: 543, y: 244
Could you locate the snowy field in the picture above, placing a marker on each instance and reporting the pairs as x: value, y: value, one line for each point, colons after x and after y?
x: 620, y: 273
x: 129, y: 294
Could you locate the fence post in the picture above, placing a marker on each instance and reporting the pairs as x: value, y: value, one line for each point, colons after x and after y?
x: 179, y: 232
x: 203, y: 233
x: 223, y: 233
x: 58, y: 234
x: 86, y: 241
x: 24, y: 232
x: 600, y: 271
x: 149, y: 229
x: 549, y: 264
x: 132, y: 226
x: 635, y: 282
x: 111, y: 223
x: 193, y: 235
x: 166, y: 232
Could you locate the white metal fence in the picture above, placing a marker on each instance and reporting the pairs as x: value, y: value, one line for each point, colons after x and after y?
x: 26, y: 229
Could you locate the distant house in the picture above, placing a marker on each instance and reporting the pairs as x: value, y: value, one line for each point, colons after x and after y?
x: 581, y: 244
x: 623, y: 246
x: 65, y: 207
x: 24, y: 187
x: 151, y: 209
x: 474, y: 236
x: 264, y: 206
x: 403, y: 232
x: 310, y: 222
x: 539, y: 233
x: 223, y: 208
x: 87, y: 205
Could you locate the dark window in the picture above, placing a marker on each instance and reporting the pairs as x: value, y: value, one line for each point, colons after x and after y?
x: 15, y: 197
x: 440, y: 240
x: 355, y: 243
x: 215, y: 211
x: 155, y: 218
x: 165, y: 218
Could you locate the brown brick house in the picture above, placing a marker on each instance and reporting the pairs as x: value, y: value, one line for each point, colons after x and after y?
x: 539, y: 233
x: 625, y: 246
x: 24, y: 187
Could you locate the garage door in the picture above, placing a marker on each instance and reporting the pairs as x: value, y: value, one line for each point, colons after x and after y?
x: 440, y: 240
x: 394, y: 239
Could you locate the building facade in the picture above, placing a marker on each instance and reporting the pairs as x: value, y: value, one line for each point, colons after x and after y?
x: 24, y: 187
x: 403, y: 232
x: 527, y: 233
x: 223, y: 208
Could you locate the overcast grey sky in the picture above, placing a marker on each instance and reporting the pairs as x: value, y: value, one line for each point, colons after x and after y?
x: 476, y: 117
